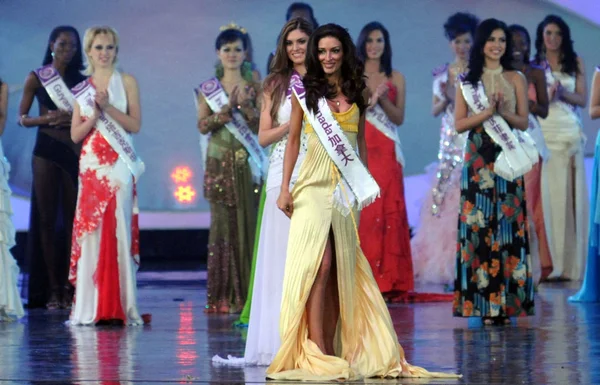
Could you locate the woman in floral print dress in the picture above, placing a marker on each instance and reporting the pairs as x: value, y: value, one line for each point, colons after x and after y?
x: 494, y: 279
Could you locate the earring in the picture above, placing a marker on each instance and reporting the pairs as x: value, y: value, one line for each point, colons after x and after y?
x: 52, y: 54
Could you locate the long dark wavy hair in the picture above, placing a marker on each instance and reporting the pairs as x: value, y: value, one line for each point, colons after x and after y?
x: 516, y: 28
x: 385, y: 63
x: 459, y: 24
x: 76, y: 64
x: 477, y: 58
x: 281, y: 66
x: 569, y: 57
x: 352, y: 70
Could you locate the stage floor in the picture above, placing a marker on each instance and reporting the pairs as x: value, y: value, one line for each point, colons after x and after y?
x: 559, y: 345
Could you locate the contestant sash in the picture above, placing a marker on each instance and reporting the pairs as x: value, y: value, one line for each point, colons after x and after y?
x: 379, y: 119
x: 518, y: 151
x: 55, y: 87
x: 216, y: 98
x: 119, y: 139
x: 363, y: 189
x: 535, y: 132
x: 568, y: 108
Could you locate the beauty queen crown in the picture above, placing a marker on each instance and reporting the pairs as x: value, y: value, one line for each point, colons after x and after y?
x: 233, y: 25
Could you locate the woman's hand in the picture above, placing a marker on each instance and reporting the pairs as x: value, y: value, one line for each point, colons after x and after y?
x: 499, y: 103
x: 380, y: 91
x: 553, y: 92
x: 449, y: 91
x: 233, y: 97
x: 246, y: 94
x: 59, y: 118
x: 101, y: 99
x: 285, y: 203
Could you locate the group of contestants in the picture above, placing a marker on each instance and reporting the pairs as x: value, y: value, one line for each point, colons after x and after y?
x: 83, y: 241
x: 511, y: 145
x: 311, y: 241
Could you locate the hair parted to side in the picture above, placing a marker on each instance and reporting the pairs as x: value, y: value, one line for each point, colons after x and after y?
x: 282, y: 67
x: 385, y: 63
x: 477, y: 57
x: 88, y: 39
x: 569, y: 56
x: 352, y: 70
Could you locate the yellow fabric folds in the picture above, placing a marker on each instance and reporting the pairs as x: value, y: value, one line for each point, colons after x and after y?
x: 366, y: 343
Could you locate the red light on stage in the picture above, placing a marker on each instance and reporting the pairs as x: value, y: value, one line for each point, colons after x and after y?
x: 181, y: 174
x: 185, y: 194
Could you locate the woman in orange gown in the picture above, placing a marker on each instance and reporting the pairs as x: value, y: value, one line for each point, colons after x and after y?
x: 383, y: 230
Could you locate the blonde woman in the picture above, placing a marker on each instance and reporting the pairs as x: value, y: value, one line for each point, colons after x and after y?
x: 105, y: 250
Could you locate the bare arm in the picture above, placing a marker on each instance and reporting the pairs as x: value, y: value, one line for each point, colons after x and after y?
x: 519, y: 119
x: 80, y: 128
x: 31, y: 83
x: 132, y: 120
x: 595, y: 97
x: 3, y: 106
x: 255, y: 76
x: 293, y: 144
x: 438, y: 105
x: 464, y: 122
x: 56, y: 118
x: 267, y: 133
x: 395, y: 112
x: 540, y: 107
x: 579, y: 97
x: 361, y: 142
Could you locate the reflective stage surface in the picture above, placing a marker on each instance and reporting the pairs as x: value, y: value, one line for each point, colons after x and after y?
x: 560, y: 345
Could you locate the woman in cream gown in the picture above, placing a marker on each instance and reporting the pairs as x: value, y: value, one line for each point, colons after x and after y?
x: 356, y: 336
x: 563, y: 175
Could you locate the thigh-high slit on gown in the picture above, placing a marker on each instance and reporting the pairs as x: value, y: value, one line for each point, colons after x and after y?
x: 366, y: 344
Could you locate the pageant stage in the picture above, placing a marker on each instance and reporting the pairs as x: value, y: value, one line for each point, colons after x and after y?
x: 559, y: 345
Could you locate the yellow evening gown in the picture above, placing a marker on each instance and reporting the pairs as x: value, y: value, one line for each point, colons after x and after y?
x: 366, y: 343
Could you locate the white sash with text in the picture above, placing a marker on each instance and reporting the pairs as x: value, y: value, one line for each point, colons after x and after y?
x: 55, y: 87
x: 363, y: 188
x: 518, y: 150
x: 119, y: 139
x: 216, y: 98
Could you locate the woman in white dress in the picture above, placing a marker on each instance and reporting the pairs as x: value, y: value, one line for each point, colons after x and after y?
x: 563, y: 175
x: 105, y: 251
x: 11, y: 307
x: 263, y: 339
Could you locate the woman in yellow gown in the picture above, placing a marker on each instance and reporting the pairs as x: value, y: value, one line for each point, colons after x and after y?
x: 334, y: 322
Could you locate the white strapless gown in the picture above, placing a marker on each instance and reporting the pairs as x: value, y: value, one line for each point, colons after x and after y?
x: 563, y: 181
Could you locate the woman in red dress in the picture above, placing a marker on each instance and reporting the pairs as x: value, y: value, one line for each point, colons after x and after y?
x: 105, y: 248
x: 383, y: 230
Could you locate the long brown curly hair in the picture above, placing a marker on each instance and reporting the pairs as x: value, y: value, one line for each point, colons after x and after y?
x: 282, y: 67
x: 352, y: 77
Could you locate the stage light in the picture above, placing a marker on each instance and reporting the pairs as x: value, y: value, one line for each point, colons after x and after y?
x: 182, y: 174
x: 185, y: 194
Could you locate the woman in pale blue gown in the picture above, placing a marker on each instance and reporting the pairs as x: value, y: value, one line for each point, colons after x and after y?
x: 590, y: 290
